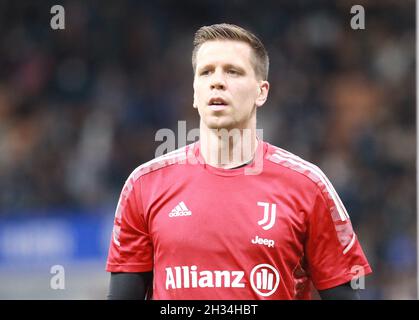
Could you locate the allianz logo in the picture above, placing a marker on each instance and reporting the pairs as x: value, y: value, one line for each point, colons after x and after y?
x: 264, y: 278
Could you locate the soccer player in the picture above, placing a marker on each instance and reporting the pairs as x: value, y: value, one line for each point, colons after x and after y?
x: 231, y: 216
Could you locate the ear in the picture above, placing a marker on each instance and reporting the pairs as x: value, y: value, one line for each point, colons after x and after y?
x: 262, y: 96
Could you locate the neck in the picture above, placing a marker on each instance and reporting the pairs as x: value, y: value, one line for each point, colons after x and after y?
x: 228, y: 148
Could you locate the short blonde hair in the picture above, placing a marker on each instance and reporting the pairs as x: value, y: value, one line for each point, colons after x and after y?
x: 224, y: 31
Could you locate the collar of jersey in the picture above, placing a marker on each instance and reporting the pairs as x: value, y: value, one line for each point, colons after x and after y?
x: 259, y: 154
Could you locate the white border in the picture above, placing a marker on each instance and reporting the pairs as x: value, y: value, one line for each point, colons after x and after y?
x: 417, y: 157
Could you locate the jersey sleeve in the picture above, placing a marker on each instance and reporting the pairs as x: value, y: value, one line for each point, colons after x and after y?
x: 130, y: 247
x: 333, y: 252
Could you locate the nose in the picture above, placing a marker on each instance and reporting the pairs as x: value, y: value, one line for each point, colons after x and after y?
x: 218, y: 81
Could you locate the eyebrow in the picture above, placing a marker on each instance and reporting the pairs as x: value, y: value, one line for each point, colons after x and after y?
x: 234, y: 66
x: 226, y: 66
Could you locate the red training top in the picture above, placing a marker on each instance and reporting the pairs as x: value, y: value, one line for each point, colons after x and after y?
x: 262, y: 231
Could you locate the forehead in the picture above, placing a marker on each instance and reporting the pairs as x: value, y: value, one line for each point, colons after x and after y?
x: 224, y: 51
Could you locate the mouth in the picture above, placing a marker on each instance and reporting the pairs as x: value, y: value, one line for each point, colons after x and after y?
x: 217, y: 103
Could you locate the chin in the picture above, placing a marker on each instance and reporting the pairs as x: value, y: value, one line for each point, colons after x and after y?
x: 220, y: 124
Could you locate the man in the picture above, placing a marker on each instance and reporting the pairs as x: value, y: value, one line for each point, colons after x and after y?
x: 231, y: 216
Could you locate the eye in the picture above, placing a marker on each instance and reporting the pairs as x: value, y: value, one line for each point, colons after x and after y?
x: 204, y: 73
x: 234, y: 72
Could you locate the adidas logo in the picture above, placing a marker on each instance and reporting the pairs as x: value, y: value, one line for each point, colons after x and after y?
x: 180, y: 210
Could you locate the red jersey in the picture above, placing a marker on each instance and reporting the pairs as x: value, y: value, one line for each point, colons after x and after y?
x: 262, y: 231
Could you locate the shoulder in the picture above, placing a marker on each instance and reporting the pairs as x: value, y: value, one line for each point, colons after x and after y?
x: 319, y: 182
x: 175, y: 157
x: 295, y: 166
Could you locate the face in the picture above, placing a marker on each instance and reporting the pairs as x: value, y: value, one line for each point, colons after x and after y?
x: 226, y: 88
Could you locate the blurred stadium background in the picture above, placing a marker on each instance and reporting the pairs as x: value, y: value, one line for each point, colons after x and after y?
x: 79, y: 109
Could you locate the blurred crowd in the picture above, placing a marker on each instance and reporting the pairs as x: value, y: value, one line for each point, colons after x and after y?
x: 79, y: 108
